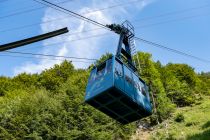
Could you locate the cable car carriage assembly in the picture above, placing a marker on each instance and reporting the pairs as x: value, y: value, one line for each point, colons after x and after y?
x: 114, y: 86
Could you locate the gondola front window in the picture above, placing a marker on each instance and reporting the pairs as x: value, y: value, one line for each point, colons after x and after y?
x: 109, y: 65
x: 118, y: 69
x: 92, y: 76
x: 143, y: 91
x: 100, y: 71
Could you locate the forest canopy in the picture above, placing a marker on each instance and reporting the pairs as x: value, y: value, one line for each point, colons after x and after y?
x: 50, y: 105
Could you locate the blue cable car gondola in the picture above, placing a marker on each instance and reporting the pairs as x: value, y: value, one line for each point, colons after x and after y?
x: 114, y: 86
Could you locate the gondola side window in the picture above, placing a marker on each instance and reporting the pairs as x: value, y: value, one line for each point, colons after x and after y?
x: 92, y: 76
x: 109, y: 65
x: 136, y: 83
x: 118, y: 69
x: 143, y: 91
x: 100, y: 70
x: 128, y: 76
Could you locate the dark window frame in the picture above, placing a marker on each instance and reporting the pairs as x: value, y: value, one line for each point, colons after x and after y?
x: 109, y: 65
x: 118, y: 68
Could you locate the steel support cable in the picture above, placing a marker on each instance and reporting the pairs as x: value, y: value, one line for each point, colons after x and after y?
x: 51, y: 55
x: 64, y: 10
x: 18, y: 9
x: 170, y: 49
x: 114, y: 6
x: 105, y: 8
x: 171, y: 20
x: 23, y: 8
x: 47, y: 58
x: 136, y: 27
x: 70, y: 41
x: 137, y: 20
x: 148, y: 42
x: 29, y: 10
x: 34, y: 9
x: 99, y: 35
x: 139, y: 39
x: 145, y: 41
x: 173, y: 13
x: 62, y: 18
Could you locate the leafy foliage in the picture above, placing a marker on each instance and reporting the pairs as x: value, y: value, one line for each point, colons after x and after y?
x: 193, y: 123
x: 152, y: 76
x: 50, y: 105
x: 55, y: 108
x: 179, y: 117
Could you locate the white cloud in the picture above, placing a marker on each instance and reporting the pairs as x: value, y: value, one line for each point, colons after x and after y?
x: 89, y: 48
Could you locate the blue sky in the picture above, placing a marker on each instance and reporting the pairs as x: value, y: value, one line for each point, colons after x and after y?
x: 184, y: 28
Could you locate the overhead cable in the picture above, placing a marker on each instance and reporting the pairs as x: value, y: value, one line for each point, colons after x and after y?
x: 64, y: 10
x: 50, y: 55
x: 47, y: 58
x: 136, y: 20
x: 104, y: 26
x: 27, y: 11
x: 170, y: 49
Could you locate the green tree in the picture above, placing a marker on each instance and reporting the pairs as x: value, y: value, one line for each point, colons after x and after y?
x: 52, y: 78
x: 152, y: 77
x: 51, y: 105
x: 183, y: 72
x: 178, y: 92
x: 25, y: 80
x: 57, y: 113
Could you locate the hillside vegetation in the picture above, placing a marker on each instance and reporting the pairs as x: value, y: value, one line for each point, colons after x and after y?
x: 50, y: 105
x: 190, y: 123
